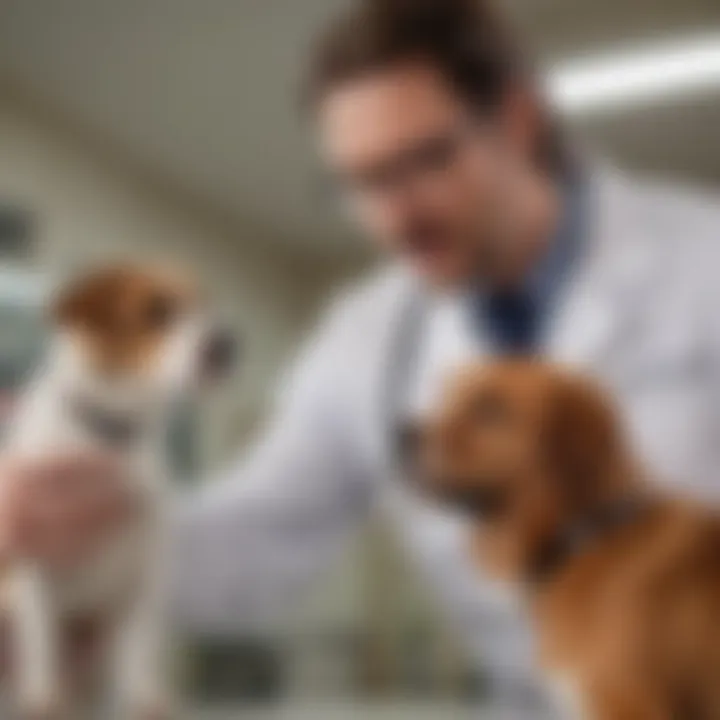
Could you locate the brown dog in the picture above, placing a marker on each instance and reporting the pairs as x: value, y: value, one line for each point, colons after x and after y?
x: 623, y: 583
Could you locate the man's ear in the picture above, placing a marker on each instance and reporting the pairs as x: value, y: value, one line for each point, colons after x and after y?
x: 583, y: 439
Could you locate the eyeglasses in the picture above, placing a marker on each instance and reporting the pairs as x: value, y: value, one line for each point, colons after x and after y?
x: 410, y: 166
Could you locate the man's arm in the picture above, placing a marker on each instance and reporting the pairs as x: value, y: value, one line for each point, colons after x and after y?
x: 245, y: 545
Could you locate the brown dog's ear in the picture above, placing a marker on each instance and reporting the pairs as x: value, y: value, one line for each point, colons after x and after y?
x: 583, y: 441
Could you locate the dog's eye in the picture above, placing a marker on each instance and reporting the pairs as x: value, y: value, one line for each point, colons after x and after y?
x: 161, y: 312
x: 491, y: 408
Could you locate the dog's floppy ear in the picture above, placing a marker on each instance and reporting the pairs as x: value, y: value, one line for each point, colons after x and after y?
x: 86, y: 301
x: 76, y: 304
x: 583, y: 439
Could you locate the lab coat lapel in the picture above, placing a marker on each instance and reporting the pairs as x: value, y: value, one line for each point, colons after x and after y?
x: 594, y: 323
x: 602, y: 304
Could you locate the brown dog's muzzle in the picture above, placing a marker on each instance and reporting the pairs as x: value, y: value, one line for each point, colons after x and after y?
x: 470, y: 496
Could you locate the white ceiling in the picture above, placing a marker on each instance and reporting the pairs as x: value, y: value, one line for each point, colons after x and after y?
x: 204, y: 91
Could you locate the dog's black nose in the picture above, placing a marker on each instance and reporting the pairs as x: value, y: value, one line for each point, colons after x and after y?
x: 220, y: 353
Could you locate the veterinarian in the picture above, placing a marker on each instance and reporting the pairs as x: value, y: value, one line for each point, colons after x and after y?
x: 501, y: 240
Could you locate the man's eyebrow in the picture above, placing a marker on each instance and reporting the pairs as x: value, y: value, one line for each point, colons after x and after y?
x: 415, y: 145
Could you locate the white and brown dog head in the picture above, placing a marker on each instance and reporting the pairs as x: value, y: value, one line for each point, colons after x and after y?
x: 141, y: 332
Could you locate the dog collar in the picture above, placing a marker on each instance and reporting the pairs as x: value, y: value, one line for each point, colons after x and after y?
x: 113, y: 428
x: 582, y: 534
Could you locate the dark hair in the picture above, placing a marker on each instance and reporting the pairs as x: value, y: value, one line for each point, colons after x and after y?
x: 468, y: 41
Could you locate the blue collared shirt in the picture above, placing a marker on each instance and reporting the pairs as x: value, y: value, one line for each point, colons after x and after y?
x: 515, y: 320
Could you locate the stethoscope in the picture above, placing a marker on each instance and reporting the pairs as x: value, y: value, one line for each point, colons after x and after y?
x: 402, y: 368
x: 404, y: 355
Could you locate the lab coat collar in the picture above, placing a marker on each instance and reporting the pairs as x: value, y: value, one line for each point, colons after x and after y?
x: 601, y: 305
x: 597, y: 314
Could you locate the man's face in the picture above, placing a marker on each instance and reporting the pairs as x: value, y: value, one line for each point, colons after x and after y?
x: 423, y: 175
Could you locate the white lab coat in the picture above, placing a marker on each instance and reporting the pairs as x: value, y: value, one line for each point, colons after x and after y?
x: 643, y: 312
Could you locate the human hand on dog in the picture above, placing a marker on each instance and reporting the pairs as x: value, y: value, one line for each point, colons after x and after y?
x: 55, y: 509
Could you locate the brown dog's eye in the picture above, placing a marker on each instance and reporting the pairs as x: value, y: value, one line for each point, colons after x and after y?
x: 491, y: 409
x: 161, y: 312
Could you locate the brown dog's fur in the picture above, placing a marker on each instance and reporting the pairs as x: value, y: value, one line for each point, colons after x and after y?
x: 631, y: 620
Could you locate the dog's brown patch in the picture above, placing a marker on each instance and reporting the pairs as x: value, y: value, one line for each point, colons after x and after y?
x: 123, y: 313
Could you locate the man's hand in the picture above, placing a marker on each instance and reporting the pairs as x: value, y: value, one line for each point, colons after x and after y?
x: 55, y: 509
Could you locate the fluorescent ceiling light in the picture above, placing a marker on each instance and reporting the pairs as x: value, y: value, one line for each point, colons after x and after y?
x: 628, y: 79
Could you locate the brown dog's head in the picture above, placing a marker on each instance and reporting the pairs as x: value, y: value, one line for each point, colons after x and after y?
x: 139, y: 328
x: 524, y: 448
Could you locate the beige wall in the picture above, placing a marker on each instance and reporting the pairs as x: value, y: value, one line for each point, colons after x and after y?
x: 89, y: 210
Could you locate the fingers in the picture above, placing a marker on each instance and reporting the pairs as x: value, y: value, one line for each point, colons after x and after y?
x: 64, y: 475
x: 57, y: 509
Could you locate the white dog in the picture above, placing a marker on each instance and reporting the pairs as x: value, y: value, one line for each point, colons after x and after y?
x: 128, y: 342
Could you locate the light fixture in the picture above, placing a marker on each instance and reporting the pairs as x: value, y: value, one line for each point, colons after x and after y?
x: 631, y: 78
